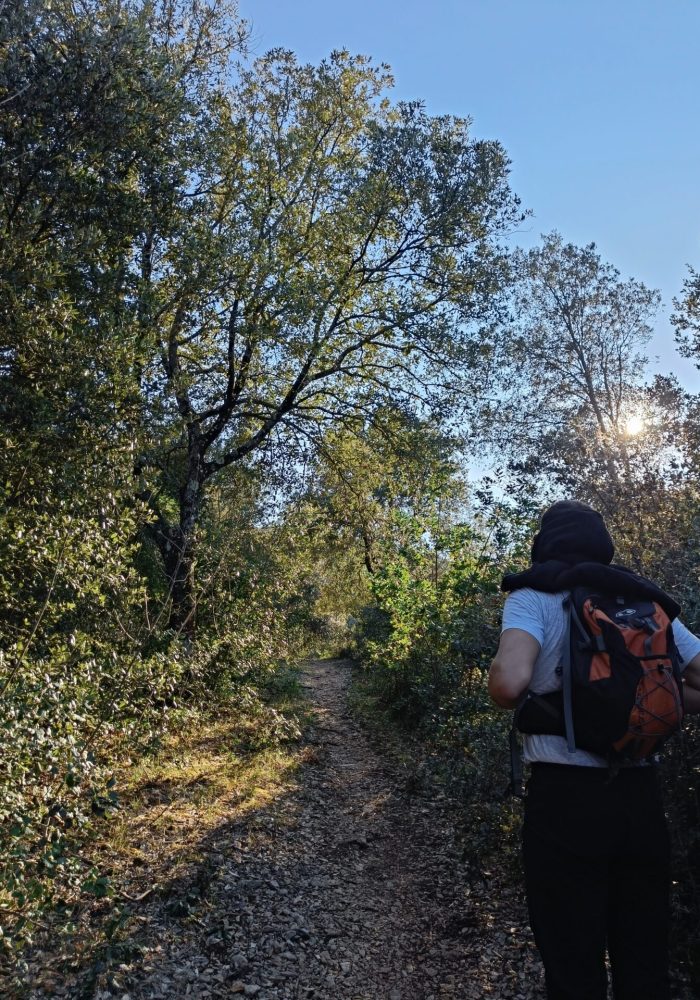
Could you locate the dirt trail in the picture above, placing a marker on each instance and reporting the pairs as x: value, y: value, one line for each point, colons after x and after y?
x: 348, y: 888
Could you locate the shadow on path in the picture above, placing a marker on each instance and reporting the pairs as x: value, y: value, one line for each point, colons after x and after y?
x: 344, y: 888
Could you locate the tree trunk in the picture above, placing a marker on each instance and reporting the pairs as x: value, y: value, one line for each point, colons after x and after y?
x: 179, y: 568
x: 367, y: 543
x: 177, y: 544
x: 184, y: 596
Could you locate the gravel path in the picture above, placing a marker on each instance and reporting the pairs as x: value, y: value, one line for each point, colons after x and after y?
x: 348, y: 888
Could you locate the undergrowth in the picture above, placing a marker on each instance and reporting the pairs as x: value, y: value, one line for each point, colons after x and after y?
x: 206, y: 771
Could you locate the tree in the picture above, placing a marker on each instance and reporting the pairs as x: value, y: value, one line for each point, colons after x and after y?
x: 387, y: 484
x: 686, y: 317
x: 333, y: 251
x: 96, y: 101
x: 99, y: 101
x: 577, y: 344
x: 583, y: 418
x: 574, y: 353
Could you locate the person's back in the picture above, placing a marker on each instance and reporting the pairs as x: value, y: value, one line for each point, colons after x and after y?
x: 595, y: 843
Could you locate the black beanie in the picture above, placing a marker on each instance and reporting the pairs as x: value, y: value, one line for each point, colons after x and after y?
x: 572, y: 532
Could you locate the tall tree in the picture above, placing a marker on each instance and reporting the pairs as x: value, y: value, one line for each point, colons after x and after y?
x: 99, y: 101
x: 576, y: 359
x: 583, y: 418
x: 333, y: 251
x: 96, y: 100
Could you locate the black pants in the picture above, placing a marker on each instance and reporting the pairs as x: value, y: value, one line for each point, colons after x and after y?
x: 596, y: 855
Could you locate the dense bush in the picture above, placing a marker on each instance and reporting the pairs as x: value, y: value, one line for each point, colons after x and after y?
x: 89, y: 669
x: 425, y: 645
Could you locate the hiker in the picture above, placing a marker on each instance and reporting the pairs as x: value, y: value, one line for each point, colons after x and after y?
x: 595, y: 840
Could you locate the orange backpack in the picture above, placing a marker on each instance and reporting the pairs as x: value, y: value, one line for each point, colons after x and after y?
x: 622, y: 693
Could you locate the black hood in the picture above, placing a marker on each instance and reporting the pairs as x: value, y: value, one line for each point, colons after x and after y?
x: 572, y: 532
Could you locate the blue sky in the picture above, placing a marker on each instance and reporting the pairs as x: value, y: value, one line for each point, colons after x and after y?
x: 595, y: 102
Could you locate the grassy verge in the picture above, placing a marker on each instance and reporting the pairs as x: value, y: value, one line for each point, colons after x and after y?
x: 211, y: 770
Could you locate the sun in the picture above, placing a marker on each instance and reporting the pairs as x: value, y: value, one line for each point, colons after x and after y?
x: 634, y: 425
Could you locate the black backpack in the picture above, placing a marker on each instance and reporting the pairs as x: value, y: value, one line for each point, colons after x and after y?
x: 622, y: 693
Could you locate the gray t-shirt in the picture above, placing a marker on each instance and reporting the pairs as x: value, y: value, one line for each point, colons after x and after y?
x: 543, y: 616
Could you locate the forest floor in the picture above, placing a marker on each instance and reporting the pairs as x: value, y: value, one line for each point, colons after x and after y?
x: 340, y: 880
x: 329, y: 868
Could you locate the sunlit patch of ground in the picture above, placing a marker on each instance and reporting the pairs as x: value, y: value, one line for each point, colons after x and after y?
x: 209, y: 773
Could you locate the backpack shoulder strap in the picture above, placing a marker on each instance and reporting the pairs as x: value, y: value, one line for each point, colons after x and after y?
x: 517, y: 777
x: 566, y: 679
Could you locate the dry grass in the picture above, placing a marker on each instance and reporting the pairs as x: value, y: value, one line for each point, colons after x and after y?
x: 171, y: 804
x: 177, y: 809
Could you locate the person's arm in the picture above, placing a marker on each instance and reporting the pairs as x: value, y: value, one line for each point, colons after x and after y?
x: 691, y: 690
x: 688, y: 645
x: 511, y: 670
